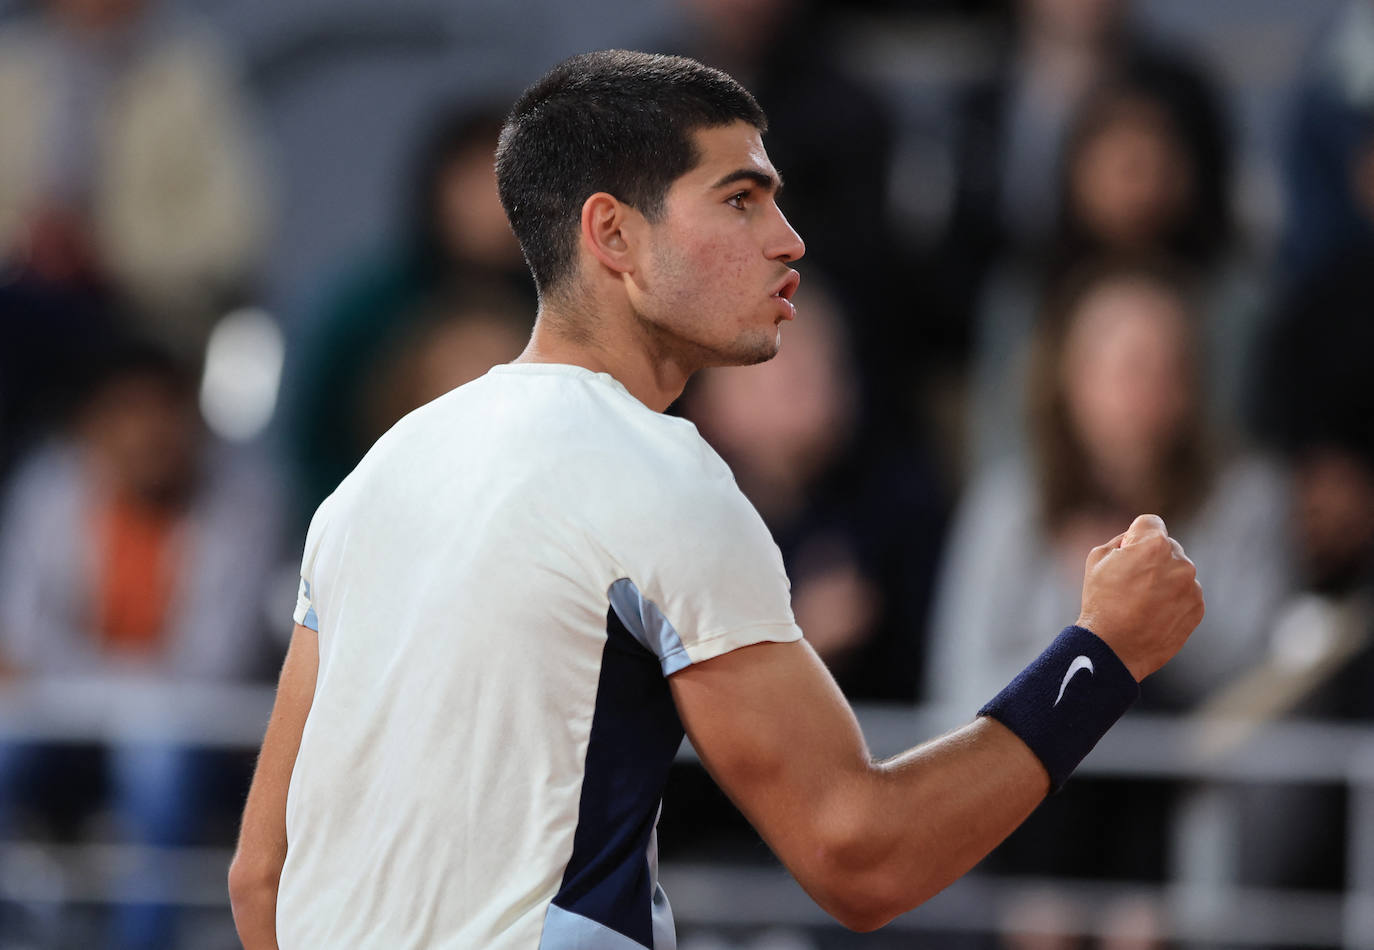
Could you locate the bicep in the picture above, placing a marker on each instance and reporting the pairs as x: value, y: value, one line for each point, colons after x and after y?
x: 778, y: 736
x: 866, y: 841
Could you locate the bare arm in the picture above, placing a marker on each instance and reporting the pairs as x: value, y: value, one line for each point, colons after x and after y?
x: 257, y: 864
x: 868, y: 840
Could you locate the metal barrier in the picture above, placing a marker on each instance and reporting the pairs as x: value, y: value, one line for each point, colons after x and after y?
x: 1202, y: 903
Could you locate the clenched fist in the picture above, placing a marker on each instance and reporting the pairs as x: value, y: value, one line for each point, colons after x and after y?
x: 1141, y: 595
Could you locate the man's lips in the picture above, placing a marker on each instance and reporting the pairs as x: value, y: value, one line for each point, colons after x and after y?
x: 789, y: 285
x: 784, y: 293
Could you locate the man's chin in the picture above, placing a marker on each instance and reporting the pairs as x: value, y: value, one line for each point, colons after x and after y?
x: 755, y: 359
x: 753, y: 352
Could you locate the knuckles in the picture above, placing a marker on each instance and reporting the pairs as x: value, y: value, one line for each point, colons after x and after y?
x: 1156, y: 545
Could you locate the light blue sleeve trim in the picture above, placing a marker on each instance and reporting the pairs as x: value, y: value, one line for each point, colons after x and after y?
x: 647, y: 624
x: 305, y: 611
x: 564, y: 930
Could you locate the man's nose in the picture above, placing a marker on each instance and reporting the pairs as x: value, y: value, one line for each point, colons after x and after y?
x: 788, y: 245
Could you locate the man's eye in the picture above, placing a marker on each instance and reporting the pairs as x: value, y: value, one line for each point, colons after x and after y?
x: 737, y: 200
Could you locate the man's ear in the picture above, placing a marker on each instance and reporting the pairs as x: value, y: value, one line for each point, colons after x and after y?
x: 608, y: 231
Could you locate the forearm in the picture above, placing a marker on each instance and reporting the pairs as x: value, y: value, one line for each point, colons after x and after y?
x: 915, y: 823
x: 253, y: 897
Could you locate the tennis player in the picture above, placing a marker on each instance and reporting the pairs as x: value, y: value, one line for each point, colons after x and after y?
x: 513, y: 608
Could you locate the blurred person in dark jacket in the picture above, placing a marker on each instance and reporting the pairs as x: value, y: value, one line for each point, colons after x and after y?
x: 1316, y: 402
x: 1317, y: 405
x: 834, y: 135
x: 127, y: 163
x: 132, y: 549
x: 47, y: 334
x: 456, y: 339
x: 456, y: 236
x: 1314, y: 389
x: 856, y: 513
x: 1329, y: 150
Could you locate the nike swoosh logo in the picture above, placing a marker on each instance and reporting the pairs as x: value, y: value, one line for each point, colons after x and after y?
x: 1079, y: 663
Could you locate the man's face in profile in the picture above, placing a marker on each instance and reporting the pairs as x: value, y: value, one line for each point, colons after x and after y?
x: 716, y: 276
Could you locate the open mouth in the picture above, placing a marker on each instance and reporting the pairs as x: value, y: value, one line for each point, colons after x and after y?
x: 789, y: 285
x: 784, y: 295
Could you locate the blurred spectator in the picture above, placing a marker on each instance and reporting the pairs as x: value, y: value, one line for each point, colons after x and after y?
x: 857, y: 518
x: 132, y: 547
x: 1118, y: 429
x: 1317, y: 404
x: 133, y: 541
x: 855, y: 514
x: 126, y: 163
x: 1136, y: 179
x: 831, y: 137
x: 1329, y: 153
x: 47, y: 334
x: 1013, y: 128
x: 457, y: 239
x: 453, y: 341
x: 1318, y: 386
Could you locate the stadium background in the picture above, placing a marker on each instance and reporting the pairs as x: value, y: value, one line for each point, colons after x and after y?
x: 1067, y: 260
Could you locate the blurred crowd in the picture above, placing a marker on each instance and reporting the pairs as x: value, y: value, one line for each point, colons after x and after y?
x: 1089, y: 329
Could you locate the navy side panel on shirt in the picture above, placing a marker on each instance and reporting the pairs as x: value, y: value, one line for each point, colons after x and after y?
x: 634, y: 736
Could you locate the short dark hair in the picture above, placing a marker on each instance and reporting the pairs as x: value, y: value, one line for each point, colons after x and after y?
x: 614, y: 121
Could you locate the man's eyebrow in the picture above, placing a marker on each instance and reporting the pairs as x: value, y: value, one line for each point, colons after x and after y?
x: 764, y: 180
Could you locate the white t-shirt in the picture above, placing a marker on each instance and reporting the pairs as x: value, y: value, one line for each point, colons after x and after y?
x: 501, y: 588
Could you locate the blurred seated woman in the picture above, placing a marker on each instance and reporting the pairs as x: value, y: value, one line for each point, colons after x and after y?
x: 1118, y: 428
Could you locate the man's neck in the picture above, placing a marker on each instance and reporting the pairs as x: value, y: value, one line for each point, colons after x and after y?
x: 626, y: 350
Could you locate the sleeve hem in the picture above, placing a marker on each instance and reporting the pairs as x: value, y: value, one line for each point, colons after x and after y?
x: 721, y: 643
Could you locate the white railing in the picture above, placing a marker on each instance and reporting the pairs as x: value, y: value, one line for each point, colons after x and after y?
x: 1212, y: 759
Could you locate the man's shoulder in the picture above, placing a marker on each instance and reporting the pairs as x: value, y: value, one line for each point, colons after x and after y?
x: 575, y: 439
x: 655, y: 469
x: 578, y: 418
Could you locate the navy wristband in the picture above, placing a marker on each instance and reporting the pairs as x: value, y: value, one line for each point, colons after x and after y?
x: 1066, y: 700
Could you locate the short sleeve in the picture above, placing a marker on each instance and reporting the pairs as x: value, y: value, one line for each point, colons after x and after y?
x: 305, y: 614
x: 711, y: 581
x: 307, y: 609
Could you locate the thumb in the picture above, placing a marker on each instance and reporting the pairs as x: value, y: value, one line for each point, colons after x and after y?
x: 1143, y: 527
